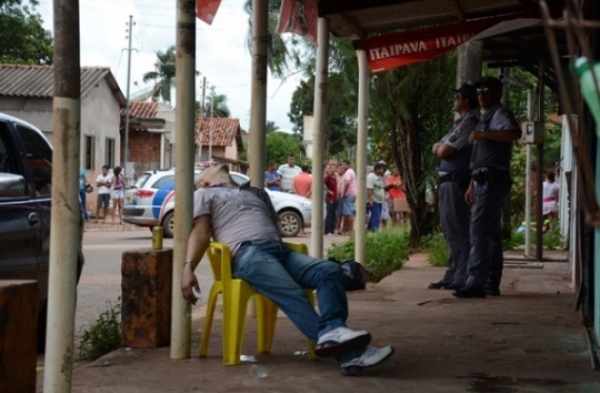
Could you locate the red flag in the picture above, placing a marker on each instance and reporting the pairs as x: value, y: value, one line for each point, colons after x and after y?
x: 400, y: 49
x: 299, y: 17
x: 206, y: 10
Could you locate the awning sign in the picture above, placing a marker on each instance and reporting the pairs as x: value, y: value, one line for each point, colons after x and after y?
x: 299, y: 17
x: 206, y: 10
x: 409, y: 47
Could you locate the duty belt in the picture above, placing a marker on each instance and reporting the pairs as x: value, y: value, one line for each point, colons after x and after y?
x: 460, y: 178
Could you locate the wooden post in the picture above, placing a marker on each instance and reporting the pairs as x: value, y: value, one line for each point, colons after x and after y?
x: 18, y: 325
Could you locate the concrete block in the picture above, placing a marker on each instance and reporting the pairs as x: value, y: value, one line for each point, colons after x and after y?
x: 146, y: 298
x: 18, y: 325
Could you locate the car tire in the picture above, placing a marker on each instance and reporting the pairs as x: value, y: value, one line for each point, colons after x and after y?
x: 168, y: 225
x: 290, y: 223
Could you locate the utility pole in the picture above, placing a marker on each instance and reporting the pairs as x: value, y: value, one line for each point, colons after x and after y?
x: 65, y: 235
x: 203, y: 86
x: 212, y: 119
x: 185, y: 75
x: 128, y: 170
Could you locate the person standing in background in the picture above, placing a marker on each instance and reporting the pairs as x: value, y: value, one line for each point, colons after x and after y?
x: 331, y: 199
x: 302, y: 184
x: 375, y: 196
x: 272, y: 177
x: 118, y: 193
x: 397, y: 199
x: 349, y: 197
x: 103, y: 182
x: 288, y: 173
x: 82, y: 193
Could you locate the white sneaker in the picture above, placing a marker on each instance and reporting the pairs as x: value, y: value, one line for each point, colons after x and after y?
x: 371, y: 357
x: 341, y: 340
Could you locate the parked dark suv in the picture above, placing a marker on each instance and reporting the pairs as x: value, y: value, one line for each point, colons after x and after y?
x: 25, y: 185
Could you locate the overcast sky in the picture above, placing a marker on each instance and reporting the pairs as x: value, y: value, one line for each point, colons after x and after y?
x: 222, y: 54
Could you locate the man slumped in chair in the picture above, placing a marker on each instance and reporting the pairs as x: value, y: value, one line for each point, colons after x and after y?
x: 244, y: 219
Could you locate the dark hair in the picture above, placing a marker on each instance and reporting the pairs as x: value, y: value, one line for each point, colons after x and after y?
x: 347, y: 162
x: 378, y: 166
x: 291, y: 156
x: 272, y: 162
x: 305, y: 167
x: 105, y: 167
x: 117, y: 171
x: 551, y: 177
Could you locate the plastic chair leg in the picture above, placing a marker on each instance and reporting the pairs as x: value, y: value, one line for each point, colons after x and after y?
x: 265, y: 321
x: 234, y: 321
x: 210, y: 312
x: 311, y: 345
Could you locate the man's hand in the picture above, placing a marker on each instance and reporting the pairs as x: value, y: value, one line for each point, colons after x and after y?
x: 469, y: 195
x: 476, y: 135
x: 188, y: 283
x: 435, y: 147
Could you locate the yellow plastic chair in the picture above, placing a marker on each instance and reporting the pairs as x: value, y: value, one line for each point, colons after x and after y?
x: 236, y: 295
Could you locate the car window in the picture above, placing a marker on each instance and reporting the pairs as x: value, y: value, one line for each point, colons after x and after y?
x: 142, y: 180
x: 164, y: 181
x: 7, y: 160
x: 39, y: 155
x: 238, y: 179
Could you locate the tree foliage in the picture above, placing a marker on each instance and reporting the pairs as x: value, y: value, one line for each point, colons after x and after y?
x: 163, y: 74
x: 410, y: 110
x: 279, y: 145
x: 219, y: 106
x: 23, y: 39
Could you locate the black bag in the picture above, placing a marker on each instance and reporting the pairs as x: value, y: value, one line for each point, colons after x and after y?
x: 355, y: 275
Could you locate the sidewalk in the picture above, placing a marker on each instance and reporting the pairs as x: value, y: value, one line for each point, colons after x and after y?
x: 527, y: 340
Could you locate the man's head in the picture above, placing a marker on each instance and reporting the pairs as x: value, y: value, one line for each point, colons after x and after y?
x: 332, y: 168
x: 104, y: 170
x: 465, y: 98
x: 489, y: 92
x: 379, y: 169
x: 551, y: 177
x: 215, y: 174
x: 291, y: 160
x: 272, y: 166
x: 346, y: 164
x: 305, y: 168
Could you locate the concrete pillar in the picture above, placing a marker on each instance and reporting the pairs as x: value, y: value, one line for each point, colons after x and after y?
x: 469, y: 62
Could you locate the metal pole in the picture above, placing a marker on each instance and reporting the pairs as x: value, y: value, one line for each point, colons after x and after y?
x: 127, y: 90
x: 528, y: 179
x: 212, y: 119
x: 319, y: 133
x: 185, y: 73
x: 258, y: 104
x: 66, y: 213
x: 539, y: 251
x: 201, y: 117
x: 361, y: 156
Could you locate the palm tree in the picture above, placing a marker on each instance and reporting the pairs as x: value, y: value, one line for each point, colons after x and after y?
x: 220, y: 108
x: 163, y: 75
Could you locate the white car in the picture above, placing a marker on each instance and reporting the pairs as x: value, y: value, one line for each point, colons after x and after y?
x: 152, y: 203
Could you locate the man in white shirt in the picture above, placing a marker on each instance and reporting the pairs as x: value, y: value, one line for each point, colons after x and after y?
x: 103, y: 182
x: 288, y: 173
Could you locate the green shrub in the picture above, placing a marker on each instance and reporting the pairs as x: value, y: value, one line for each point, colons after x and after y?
x: 551, y: 240
x: 437, y: 249
x: 102, y: 336
x: 385, y: 252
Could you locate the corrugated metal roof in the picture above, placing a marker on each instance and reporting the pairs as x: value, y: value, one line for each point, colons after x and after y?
x: 38, y: 81
x: 142, y: 109
x: 223, y: 131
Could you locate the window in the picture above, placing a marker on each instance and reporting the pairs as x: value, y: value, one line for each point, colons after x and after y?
x: 90, y: 152
x: 165, y: 182
x: 39, y: 155
x: 109, y: 152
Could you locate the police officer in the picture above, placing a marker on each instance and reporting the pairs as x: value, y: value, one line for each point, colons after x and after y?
x: 489, y: 189
x: 454, y: 152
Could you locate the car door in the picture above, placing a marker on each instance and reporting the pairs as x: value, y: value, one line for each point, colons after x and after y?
x: 38, y: 155
x: 20, y: 221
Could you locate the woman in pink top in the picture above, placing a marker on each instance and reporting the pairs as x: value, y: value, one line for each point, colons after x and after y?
x: 117, y: 193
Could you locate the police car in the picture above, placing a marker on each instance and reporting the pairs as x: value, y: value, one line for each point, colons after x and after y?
x: 151, y: 202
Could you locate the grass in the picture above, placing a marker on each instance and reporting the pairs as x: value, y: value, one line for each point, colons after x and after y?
x: 386, y: 251
x: 102, y: 336
x: 437, y: 250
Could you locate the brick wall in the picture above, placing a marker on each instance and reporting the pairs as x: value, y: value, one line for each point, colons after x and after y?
x: 144, y: 148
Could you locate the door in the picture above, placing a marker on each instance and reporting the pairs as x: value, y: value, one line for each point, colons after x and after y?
x: 20, y: 221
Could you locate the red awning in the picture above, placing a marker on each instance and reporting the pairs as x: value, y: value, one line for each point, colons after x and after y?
x: 401, y: 49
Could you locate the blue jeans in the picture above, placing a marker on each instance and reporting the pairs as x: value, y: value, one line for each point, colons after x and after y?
x: 281, y: 274
x: 331, y: 219
x: 375, y: 217
x: 82, y: 197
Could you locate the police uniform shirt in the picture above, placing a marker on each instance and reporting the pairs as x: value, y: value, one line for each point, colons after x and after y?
x: 458, y: 138
x: 494, y: 154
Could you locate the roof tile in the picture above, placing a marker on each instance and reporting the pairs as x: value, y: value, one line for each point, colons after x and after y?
x: 224, y: 131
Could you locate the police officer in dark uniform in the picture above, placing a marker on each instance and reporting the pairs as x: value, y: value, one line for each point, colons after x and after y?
x: 489, y: 190
x: 454, y: 151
